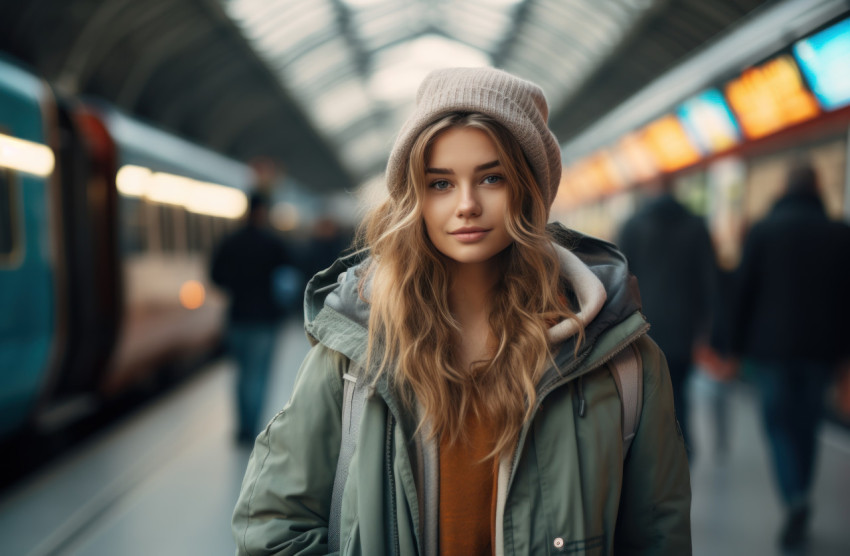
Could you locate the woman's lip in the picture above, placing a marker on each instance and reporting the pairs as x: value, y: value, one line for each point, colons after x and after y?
x: 470, y: 236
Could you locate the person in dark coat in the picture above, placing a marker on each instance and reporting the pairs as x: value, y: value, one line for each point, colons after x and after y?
x: 244, y: 265
x: 670, y: 252
x: 790, y: 328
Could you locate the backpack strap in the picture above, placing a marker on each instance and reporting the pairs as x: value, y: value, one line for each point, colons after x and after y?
x: 355, y: 391
x: 627, y: 370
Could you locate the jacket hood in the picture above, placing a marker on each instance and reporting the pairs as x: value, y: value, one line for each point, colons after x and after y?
x: 336, y: 315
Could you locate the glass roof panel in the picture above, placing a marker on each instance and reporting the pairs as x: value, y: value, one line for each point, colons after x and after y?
x: 250, y: 12
x: 399, y: 70
x: 474, y: 24
x: 329, y: 57
x: 498, y: 4
x: 380, y: 27
x: 366, y: 151
x: 314, y: 17
x: 335, y: 109
x: 357, y: 4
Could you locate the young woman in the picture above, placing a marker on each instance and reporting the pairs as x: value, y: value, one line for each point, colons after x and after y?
x: 494, y: 423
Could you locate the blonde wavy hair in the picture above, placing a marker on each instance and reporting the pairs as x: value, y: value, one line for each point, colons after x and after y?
x: 412, y: 333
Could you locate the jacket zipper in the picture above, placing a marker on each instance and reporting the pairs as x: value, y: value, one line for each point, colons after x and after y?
x: 630, y: 339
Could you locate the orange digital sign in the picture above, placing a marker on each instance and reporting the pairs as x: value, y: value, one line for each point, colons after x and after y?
x: 770, y: 97
x: 669, y: 144
x: 589, y: 178
x: 637, y: 162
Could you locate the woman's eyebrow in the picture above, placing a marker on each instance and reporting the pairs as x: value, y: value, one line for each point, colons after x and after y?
x: 446, y: 171
x: 449, y: 171
x: 487, y: 166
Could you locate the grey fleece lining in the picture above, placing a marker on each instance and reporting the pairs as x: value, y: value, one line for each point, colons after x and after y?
x: 588, y: 289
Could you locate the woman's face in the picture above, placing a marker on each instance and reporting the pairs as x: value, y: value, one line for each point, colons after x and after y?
x: 466, y: 197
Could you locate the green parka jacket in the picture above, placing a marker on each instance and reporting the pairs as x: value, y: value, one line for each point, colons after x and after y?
x: 566, y: 490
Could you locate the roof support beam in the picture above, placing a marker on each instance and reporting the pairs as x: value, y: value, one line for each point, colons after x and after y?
x: 227, y: 117
x: 181, y: 36
x: 106, y: 26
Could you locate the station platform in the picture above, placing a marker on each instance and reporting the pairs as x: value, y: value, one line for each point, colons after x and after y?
x: 164, y: 481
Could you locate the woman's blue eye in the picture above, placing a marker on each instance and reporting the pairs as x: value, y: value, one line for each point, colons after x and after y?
x: 492, y: 179
x: 440, y: 185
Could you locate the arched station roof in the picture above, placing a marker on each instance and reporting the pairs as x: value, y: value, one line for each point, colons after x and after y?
x: 323, y: 85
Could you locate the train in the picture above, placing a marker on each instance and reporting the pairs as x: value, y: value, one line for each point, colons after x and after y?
x: 106, y: 224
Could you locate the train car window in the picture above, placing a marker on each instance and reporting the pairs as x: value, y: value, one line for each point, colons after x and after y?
x: 215, y: 230
x: 194, y: 224
x: 166, y: 220
x: 190, y: 231
x: 207, y: 233
x: 9, y: 237
x: 181, y: 229
x: 152, y: 225
x: 133, y: 223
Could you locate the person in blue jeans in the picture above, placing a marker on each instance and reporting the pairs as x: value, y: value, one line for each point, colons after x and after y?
x: 245, y: 264
x: 792, y: 395
x: 790, y: 328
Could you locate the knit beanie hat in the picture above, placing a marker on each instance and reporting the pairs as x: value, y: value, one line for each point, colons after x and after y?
x: 517, y: 104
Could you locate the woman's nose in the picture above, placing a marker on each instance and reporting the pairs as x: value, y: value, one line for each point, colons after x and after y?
x: 468, y: 204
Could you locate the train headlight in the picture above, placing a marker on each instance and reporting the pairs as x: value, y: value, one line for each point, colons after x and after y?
x: 192, y: 294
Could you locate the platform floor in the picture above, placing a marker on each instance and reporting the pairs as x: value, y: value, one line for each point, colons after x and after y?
x: 164, y: 481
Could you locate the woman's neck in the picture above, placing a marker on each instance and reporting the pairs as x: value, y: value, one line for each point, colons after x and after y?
x: 471, y: 290
x: 470, y: 301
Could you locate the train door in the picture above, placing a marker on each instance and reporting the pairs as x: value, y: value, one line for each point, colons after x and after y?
x: 89, y: 289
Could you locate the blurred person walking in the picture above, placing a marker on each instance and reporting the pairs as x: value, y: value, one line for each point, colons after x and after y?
x: 790, y: 327
x: 669, y: 250
x: 245, y: 264
x: 327, y: 242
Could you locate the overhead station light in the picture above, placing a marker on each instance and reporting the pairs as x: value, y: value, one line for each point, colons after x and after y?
x: 195, y: 196
x: 26, y: 156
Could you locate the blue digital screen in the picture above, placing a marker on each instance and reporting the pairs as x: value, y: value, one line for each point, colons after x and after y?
x: 709, y: 122
x: 825, y: 60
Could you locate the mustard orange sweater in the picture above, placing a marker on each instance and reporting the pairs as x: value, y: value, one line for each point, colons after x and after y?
x: 468, y: 492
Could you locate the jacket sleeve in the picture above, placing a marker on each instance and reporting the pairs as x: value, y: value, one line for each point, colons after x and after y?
x: 285, y: 500
x: 746, y: 285
x: 654, y: 517
x: 705, y: 278
x: 222, y: 270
